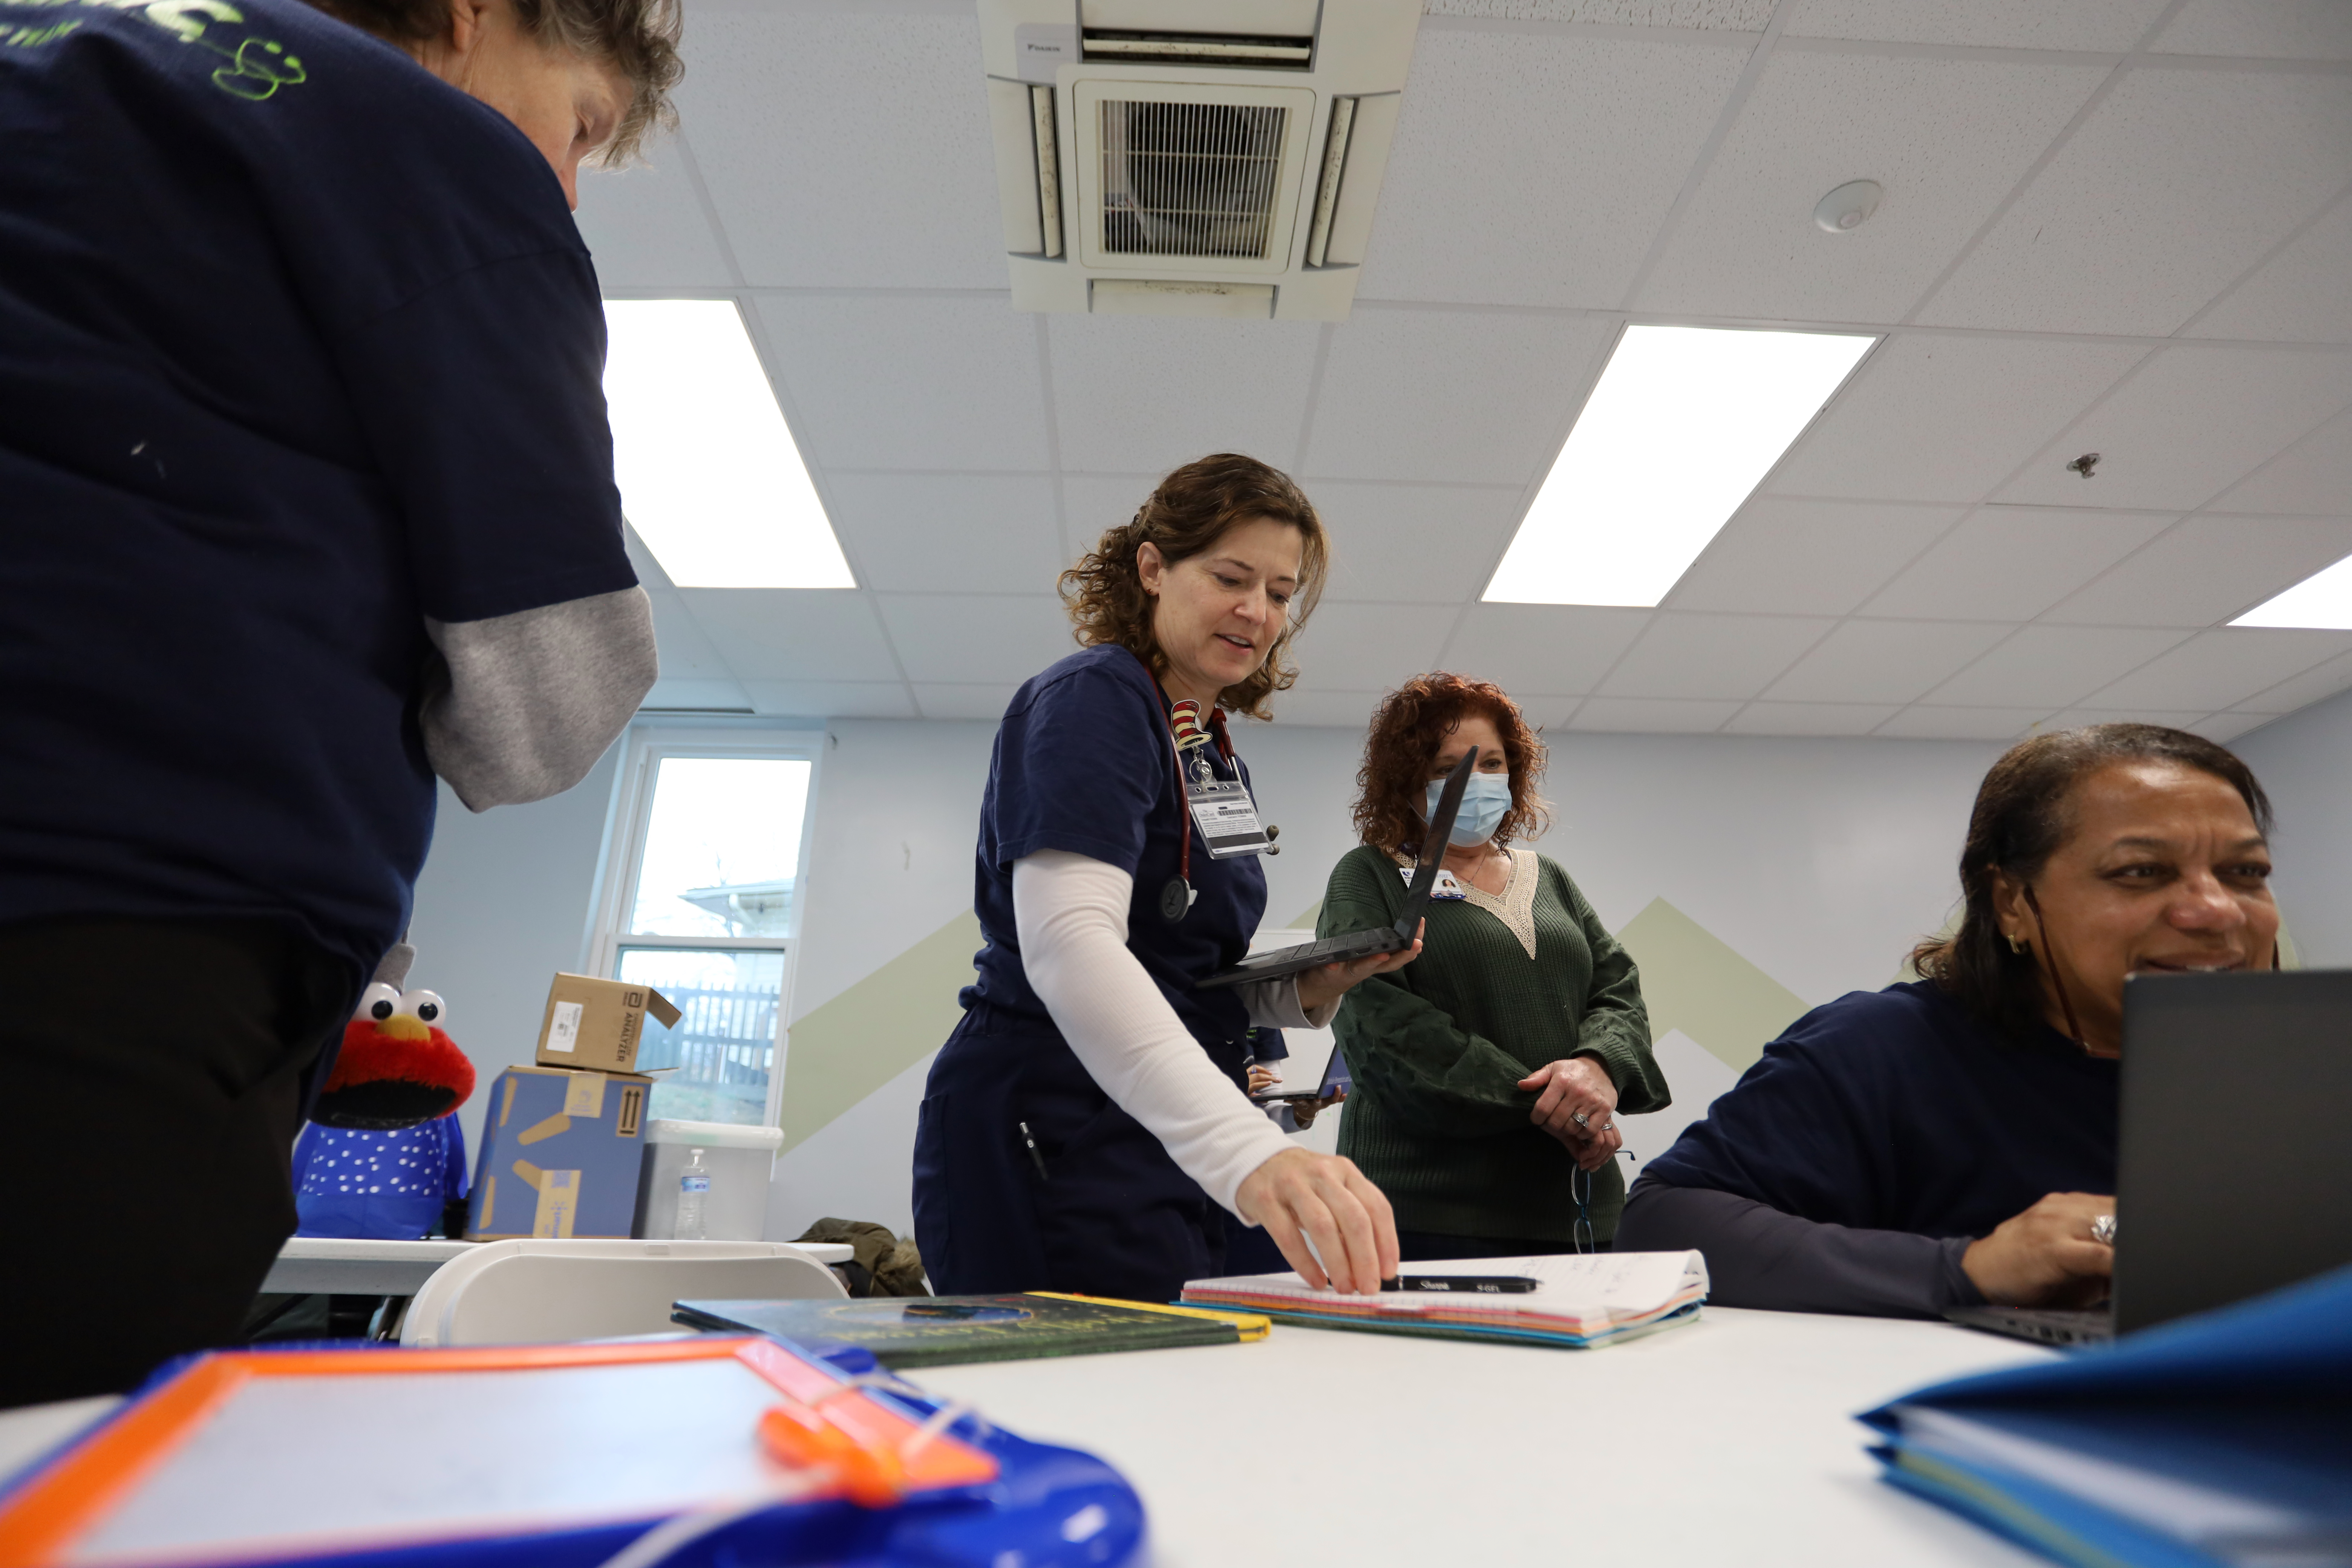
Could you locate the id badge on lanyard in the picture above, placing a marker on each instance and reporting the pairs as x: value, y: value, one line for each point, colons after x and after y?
x: 1228, y: 817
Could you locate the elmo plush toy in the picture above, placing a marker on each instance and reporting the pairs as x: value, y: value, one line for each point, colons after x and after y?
x: 397, y: 1068
x: 383, y: 1158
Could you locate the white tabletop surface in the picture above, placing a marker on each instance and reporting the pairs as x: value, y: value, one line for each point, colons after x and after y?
x: 1731, y: 1441
x: 1728, y: 1441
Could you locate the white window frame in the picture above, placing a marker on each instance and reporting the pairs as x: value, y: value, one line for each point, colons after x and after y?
x: 648, y: 743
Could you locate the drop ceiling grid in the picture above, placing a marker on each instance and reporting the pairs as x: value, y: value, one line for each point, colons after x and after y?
x: 899, y: 374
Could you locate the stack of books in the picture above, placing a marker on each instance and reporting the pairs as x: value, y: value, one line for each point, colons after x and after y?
x: 1571, y: 1301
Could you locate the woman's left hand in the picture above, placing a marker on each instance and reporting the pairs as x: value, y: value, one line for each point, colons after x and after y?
x: 1333, y: 981
x: 1576, y: 1105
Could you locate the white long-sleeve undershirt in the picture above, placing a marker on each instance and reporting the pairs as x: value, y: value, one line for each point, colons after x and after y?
x: 1070, y: 914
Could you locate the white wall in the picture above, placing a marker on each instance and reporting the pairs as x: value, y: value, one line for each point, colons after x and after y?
x: 2304, y: 762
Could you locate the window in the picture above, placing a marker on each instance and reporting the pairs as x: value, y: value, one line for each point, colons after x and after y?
x: 701, y: 901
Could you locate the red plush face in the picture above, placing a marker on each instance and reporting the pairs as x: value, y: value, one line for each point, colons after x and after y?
x: 397, y: 1068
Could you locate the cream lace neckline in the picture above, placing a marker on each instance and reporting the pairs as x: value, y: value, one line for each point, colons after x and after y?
x: 1515, y: 905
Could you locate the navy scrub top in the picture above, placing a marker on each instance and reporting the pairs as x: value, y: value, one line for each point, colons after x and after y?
x: 1082, y: 763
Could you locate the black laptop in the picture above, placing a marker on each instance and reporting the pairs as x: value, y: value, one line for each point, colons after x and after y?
x: 2235, y: 1174
x: 1309, y: 955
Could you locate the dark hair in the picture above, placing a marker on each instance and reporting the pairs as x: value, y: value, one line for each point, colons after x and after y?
x: 638, y: 37
x: 2020, y: 817
x: 1411, y: 723
x: 1189, y: 512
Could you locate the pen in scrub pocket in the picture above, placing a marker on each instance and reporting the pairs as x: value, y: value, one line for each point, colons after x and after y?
x: 1034, y: 1158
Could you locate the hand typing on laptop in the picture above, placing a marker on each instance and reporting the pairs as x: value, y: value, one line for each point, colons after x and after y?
x: 2045, y: 1257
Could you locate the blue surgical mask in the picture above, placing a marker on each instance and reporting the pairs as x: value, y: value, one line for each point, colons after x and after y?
x: 1484, y: 799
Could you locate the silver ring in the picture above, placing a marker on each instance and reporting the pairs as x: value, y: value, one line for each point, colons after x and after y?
x: 2102, y: 1229
x: 1578, y: 1119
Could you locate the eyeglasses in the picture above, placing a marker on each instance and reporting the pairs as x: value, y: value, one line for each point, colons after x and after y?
x: 1580, y: 1236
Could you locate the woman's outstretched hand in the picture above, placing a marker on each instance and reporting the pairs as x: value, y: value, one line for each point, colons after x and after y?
x: 1578, y: 1105
x: 1299, y: 1196
x: 2045, y: 1257
x: 1333, y: 981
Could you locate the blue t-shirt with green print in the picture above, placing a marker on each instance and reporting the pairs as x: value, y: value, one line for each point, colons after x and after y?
x: 298, y: 348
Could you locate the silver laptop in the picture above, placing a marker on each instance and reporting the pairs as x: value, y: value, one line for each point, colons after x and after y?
x: 2234, y: 1171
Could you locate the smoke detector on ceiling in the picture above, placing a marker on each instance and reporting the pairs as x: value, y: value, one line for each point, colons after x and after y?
x: 1192, y: 157
x: 1849, y: 207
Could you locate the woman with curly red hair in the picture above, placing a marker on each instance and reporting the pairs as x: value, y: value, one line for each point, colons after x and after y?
x: 1086, y: 1121
x: 1489, y: 1075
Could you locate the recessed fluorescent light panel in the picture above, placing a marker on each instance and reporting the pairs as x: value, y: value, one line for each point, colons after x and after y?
x: 1684, y: 422
x: 2323, y: 600
x: 708, y: 474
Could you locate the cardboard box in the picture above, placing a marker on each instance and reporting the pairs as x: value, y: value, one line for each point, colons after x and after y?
x: 598, y: 1023
x: 561, y: 1154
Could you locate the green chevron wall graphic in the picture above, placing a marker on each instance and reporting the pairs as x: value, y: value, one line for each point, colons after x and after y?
x: 1694, y: 982
x: 876, y: 1029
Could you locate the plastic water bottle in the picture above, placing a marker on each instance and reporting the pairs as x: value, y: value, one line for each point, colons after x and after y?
x: 693, y: 1193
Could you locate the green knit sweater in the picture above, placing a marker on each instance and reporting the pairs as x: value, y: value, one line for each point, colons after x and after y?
x: 1437, y: 1048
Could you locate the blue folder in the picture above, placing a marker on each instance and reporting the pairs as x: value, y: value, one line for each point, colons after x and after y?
x: 2220, y: 1441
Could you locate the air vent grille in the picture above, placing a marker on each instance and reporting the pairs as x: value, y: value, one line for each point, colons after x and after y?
x: 1190, y: 179
x: 1198, y: 49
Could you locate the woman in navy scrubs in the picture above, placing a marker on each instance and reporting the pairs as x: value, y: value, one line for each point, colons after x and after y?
x: 1086, y: 1121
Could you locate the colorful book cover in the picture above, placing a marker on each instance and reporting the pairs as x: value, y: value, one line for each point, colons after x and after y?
x: 943, y: 1331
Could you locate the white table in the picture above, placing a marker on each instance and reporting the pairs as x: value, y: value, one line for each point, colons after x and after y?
x: 1731, y: 1441
x: 333, y: 1266
x: 1727, y: 1442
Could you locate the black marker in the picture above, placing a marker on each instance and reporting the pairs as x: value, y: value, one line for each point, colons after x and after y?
x: 1034, y: 1158
x: 1472, y: 1284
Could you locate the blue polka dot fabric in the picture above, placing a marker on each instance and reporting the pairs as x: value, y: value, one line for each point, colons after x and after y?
x: 377, y: 1186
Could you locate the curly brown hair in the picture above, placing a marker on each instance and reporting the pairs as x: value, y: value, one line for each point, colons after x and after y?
x: 1408, y: 727
x: 2019, y: 819
x: 639, y: 37
x: 1189, y: 512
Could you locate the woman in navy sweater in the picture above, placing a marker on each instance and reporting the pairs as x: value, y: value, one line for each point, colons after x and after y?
x: 1951, y: 1142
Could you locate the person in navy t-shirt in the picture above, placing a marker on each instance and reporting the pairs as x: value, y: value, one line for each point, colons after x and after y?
x: 310, y: 498
x: 1951, y: 1142
x: 1086, y: 1122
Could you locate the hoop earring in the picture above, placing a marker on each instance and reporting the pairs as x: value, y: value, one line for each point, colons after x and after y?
x: 2016, y: 944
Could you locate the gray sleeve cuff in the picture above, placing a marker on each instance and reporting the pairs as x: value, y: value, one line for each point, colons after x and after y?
x: 1758, y: 1257
x: 520, y: 707
x: 1273, y: 1005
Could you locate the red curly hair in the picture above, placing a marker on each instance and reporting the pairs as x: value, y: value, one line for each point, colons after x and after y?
x: 1410, y: 725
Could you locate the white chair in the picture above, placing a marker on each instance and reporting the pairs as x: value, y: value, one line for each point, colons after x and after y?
x: 542, y: 1292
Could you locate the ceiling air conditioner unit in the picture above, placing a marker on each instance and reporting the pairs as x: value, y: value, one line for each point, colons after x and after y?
x: 1192, y: 157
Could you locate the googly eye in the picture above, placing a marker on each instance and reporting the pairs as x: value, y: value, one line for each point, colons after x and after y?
x: 378, y: 1002
x: 426, y: 1005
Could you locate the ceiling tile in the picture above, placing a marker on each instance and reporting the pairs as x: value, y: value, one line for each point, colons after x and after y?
x: 1810, y: 718
x: 2192, y: 421
x: 2320, y: 680
x: 2224, y: 728
x: 1807, y: 557
x: 2313, y: 478
x: 2177, y: 183
x: 1540, y: 648
x: 693, y: 696
x: 1651, y: 716
x: 964, y: 638
x: 830, y: 698
x: 1143, y: 394
x: 1942, y: 418
x: 645, y: 227
x: 2300, y: 295
x: 2223, y: 667
x: 1371, y: 647
x: 1536, y: 169
x: 1094, y: 504
x: 686, y: 652
x: 964, y: 702
x: 2080, y: 717
x: 846, y: 148
x: 1882, y: 661
x: 1690, y: 655
x: 2013, y: 563
x: 1301, y: 706
x: 910, y: 381
x: 1923, y: 722
x: 1737, y: 16
x: 2279, y: 29
x: 1413, y: 543
x: 948, y: 533
x: 2209, y: 569
x: 793, y: 634
x: 2052, y: 666
x: 1475, y: 397
x: 1947, y: 138
x: 2103, y: 25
